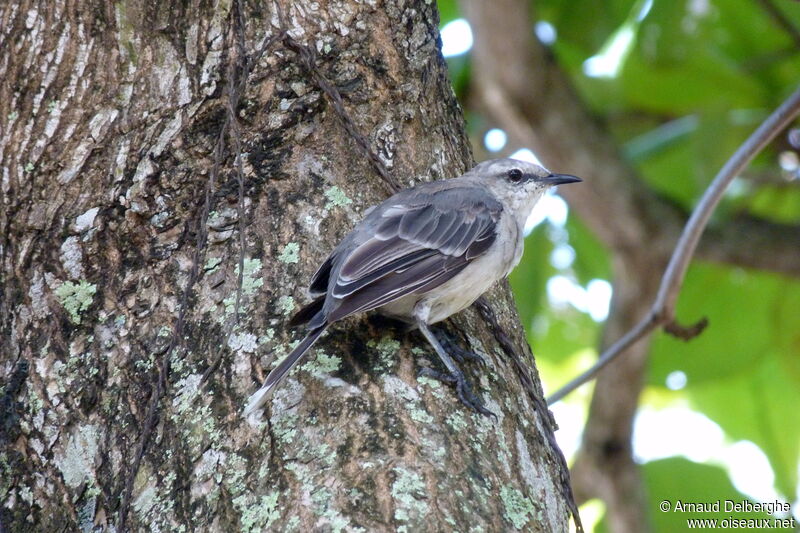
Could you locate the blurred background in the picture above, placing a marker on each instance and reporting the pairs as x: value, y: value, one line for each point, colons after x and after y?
x: 646, y: 100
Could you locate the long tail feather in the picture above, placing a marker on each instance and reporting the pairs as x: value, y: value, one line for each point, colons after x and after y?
x: 281, y: 371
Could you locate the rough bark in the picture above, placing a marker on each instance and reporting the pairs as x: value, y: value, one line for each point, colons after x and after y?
x: 123, y: 366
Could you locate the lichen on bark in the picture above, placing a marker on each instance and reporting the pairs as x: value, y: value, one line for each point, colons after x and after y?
x: 120, y: 169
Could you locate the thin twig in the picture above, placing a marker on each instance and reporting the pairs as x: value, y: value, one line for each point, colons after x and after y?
x: 662, y: 311
x: 236, y: 88
x: 236, y: 82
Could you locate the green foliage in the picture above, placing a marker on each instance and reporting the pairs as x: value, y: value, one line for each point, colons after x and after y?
x: 696, y: 80
x: 529, y: 278
x: 680, y: 480
x: 592, y: 262
x: 743, y: 371
x: 557, y: 334
x: 750, y: 316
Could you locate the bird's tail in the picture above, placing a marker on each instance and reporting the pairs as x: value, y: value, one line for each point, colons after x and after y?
x: 281, y: 371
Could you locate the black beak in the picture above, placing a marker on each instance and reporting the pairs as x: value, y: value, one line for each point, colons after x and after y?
x: 560, y: 179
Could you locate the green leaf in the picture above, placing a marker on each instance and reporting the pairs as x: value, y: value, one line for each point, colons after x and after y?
x: 679, y: 480
x: 560, y: 334
x: 556, y: 334
x: 591, y: 258
x: 528, y: 280
x: 743, y: 372
x: 778, y: 204
x: 448, y: 11
x: 585, y: 24
x: 760, y: 405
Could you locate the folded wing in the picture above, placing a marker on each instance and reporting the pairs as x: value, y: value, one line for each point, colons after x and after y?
x: 416, y: 246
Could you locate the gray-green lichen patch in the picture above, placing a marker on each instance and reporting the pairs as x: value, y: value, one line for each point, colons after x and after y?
x: 433, y: 384
x: 243, y: 342
x: 387, y: 349
x: 516, y: 507
x: 290, y: 253
x: 395, y: 387
x: 208, y: 474
x: 336, y: 198
x: 268, y: 335
x: 322, y: 365
x: 283, y: 414
x: 429, y: 382
x: 212, y: 264
x: 188, y: 388
x: 285, y: 305
x: 408, y: 492
x: 76, y: 462
x: 418, y: 414
x: 192, y: 414
x: 257, y: 515
x: 250, y: 282
x: 76, y: 297
x: 457, y: 421
x: 293, y: 524
x: 323, y: 507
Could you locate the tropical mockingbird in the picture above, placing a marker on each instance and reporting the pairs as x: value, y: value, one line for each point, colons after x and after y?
x: 422, y: 255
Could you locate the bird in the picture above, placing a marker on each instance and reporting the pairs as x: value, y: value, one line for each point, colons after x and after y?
x: 422, y: 255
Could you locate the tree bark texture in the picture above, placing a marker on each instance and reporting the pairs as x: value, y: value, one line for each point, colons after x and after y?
x: 171, y: 176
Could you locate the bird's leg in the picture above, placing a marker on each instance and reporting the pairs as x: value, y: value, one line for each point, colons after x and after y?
x: 449, y: 344
x: 454, y: 375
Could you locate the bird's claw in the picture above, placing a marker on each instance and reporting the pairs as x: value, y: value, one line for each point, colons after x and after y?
x: 463, y: 389
x: 460, y: 354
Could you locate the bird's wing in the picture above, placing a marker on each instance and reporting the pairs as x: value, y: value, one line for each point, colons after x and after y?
x: 417, y: 245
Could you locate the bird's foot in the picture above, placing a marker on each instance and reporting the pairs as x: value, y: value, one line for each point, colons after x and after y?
x: 459, y: 354
x: 463, y: 389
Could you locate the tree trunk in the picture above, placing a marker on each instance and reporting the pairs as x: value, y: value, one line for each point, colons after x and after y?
x: 171, y: 177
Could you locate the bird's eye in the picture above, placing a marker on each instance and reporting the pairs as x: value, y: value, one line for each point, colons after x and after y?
x: 515, y: 175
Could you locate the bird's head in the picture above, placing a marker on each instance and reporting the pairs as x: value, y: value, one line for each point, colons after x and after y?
x: 518, y: 184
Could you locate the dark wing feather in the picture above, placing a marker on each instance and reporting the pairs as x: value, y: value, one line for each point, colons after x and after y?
x: 416, y: 246
x: 319, y: 281
x: 307, y: 313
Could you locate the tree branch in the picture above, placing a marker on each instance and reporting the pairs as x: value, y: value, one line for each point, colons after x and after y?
x: 663, y: 309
